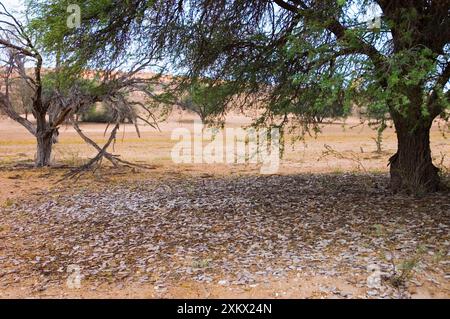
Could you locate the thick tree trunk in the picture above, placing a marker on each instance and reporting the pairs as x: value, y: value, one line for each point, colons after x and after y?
x: 411, y: 168
x: 44, y: 149
x: 45, y: 141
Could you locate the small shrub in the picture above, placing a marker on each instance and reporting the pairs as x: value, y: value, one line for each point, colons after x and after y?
x: 404, y: 271
x: 97, y: 115
x: 202, y: 263
x: 8, y: 203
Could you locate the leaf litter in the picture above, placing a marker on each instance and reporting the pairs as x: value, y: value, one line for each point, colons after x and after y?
x: 236, y: 231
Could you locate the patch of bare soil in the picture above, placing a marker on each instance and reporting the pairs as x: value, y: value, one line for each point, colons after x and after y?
x: 322, y: 235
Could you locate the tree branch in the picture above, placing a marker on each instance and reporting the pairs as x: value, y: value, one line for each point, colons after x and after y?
x: 339, y: 30
x: 5, y: 106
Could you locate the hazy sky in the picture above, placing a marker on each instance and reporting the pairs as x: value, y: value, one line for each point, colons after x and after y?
x: 12, y: 4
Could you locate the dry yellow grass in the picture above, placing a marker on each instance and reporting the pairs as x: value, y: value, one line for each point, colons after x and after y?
x: 153, y: 147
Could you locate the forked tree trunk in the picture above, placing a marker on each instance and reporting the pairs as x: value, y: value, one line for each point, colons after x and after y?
x: 411, y: 168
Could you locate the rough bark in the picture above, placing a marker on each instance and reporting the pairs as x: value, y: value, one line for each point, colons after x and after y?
x: 45, y: 140
x: 411, y: 168
x: 44, y: 149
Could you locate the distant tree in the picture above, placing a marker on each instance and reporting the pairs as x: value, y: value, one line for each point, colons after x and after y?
x: 205, y: 99
x: 98, y: 113
x: 62, y: 92
x: 21, y: 97
x: 17, y: 49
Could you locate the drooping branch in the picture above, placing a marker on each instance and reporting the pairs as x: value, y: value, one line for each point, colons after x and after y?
x: 337, y: 28
x: 434, y: 107
x: 13, y: 63
x: 5, y: 106
x: 77, y: 172
x: 101, y: 153
x: 16, y: 46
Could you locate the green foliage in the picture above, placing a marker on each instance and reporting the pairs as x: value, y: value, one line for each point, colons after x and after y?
x: 108, y: 29
x: 206, y: 98
x: 101, y: 114
x: 64, y: 83
x: 97, y: 115
x: 311, y: 61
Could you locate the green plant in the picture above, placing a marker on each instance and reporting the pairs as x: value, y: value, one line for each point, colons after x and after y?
x: 97, y: 115
x: 8, y: 203
x: 444, y: 171
x: 403, y: 270
x: 379, y: 139
x: 201, y: 263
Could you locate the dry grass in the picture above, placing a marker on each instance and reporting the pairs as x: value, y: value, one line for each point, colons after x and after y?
x: 16, y: 145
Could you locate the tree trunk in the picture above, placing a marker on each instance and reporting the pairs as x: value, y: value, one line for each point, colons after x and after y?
x: 411, y: 168
x: 44, y: 149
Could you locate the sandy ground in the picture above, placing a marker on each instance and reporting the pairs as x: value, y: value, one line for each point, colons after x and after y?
x: 353, y: 142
